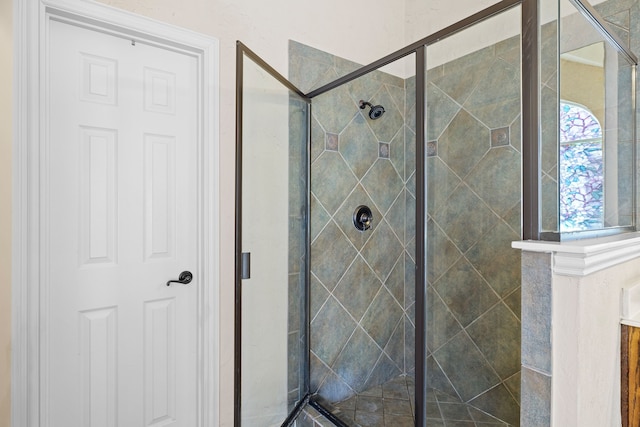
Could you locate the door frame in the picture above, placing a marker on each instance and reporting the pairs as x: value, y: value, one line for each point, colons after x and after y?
x: 31, y: 217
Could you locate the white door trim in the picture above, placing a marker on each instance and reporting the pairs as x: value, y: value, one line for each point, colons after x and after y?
x: 29, y: 247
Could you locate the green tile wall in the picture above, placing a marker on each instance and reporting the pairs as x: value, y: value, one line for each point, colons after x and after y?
x: 474, y: 202
x: 363, y: 298
x: 362, y: 282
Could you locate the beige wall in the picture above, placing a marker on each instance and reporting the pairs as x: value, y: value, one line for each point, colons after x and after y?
x: 5, y: 211
x: 583, y: 84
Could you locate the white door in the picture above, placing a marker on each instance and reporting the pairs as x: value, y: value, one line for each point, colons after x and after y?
x: 123, y: 209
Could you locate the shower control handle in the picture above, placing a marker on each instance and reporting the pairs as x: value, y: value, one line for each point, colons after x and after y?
x: 362, y: 218
x: 184, y: 278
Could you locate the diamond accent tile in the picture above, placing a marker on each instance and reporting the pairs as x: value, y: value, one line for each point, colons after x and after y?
x: 432, y: 148
x: 500, y: 137
x: 331, y: 142
x: 383, y: 150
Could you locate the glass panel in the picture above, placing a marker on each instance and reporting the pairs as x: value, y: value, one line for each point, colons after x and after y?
x: 363, y: 281
x: 474, y: 200
x: 273, y: 231
x: 587, y: 149
x: 549, y: 89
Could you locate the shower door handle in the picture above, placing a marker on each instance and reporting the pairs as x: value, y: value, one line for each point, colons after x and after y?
x: 185, y: 278
x: 245, y: 266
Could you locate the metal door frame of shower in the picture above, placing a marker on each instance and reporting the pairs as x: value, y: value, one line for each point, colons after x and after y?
x: 242, y: 51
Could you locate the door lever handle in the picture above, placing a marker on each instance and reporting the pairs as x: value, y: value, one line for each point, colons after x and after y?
x: 184, y: 278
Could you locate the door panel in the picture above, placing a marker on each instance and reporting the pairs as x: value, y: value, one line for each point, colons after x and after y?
x: 123, y: 180
x: 273, y: 208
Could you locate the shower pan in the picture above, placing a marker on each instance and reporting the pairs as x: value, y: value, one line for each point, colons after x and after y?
x: 375, y: 280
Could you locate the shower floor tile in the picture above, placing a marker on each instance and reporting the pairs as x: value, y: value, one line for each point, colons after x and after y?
x: 392, y: 405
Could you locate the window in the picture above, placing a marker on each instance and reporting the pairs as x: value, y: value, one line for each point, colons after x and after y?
x: 581, y: 169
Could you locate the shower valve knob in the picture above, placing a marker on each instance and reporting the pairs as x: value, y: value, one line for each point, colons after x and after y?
x: 362, y: 218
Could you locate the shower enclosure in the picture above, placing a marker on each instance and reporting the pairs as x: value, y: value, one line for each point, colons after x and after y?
x: 375, y: 280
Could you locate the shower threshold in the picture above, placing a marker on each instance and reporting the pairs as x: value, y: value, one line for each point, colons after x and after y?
x: 392, y: 405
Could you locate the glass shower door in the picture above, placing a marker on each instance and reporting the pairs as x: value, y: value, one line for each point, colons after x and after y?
x: 474, y: 209
x: 270, y: 244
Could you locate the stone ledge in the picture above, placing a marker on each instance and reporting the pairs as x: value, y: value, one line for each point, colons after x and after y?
x: 584, y: 257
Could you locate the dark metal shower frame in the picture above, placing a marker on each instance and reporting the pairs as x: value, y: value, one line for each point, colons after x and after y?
x: 530, y: 147
x: 242, y: 51
x: 531, y: 207
x: 530, y: 88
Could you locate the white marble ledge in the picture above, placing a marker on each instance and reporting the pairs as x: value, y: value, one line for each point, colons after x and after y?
x: 583, y: 257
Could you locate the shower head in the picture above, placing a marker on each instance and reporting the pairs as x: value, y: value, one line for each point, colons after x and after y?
x: 376, y: 110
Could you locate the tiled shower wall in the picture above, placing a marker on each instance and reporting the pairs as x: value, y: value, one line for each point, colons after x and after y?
x: 474, y: 202
x: 362, y: 297
x: 362, y: 282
